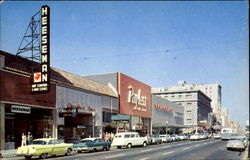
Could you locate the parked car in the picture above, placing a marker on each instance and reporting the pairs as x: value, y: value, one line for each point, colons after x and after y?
x: 44, y: 147
x: 196, y: 136
x: 217, y: 136
x: 236, y: 143
x: 166, y: 138
x: 129, y: 139
x: 183, y: 137
x: 91, y: 144
x: 175, y: 137
x: 154, y: 139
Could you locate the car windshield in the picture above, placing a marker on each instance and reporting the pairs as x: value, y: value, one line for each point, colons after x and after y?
x: 86, y: 141
x: 39, y: 142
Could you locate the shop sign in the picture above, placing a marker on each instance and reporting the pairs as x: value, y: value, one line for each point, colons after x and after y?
x: 41, y: 80
x: 137, y: 99
x: 163, y: 107
x: 68, y: 112
x: 20, y: 109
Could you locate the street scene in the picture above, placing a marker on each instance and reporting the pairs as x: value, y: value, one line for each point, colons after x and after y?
x: 118, y: 80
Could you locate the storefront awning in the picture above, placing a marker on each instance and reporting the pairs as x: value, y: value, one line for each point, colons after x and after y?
x: 120, y: 118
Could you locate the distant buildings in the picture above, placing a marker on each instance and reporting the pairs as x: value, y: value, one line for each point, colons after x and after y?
x: 197, y: 109
x: 213, y: 91
x: 225, y: 121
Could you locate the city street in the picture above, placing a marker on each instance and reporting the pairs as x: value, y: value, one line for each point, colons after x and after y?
x: 210, y: 149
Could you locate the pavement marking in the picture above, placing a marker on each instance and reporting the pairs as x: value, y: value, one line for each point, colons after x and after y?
x: 186, y: 148
x: 145, y: 158
x: 168, y: 152
x: 165, y: 147
x: 146, y: 150
x: 118, y: 155
x: 197, y: 145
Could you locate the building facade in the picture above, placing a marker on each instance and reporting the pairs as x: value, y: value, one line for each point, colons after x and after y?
x: 197, y: 109
x: 166, y: 116
x: 134, y: 99
x: 225, y: 121
x: 21, y: 110
x: 73, y: 105
x: 213, y: 91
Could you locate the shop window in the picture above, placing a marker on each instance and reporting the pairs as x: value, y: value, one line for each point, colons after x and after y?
x: 106, y: 117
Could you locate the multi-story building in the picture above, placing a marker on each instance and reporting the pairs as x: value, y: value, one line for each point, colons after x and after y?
x: 235, y: 125
x: 167, y: 116
x: 197, y: 109
x: 213, y: 91
x: 225, y: 122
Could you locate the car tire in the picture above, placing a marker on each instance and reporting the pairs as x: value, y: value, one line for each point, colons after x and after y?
x: 144, y: 144
x: 68, y: 153
x: 107, y: 148
x: 27, y: 157
x: 129, y: 145
x: 43, y: 156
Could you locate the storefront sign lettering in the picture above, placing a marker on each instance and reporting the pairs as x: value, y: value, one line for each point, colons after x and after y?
x: 20, y: 109
x: 163, y: 107
x: 137, y: 99
x: 41, y: 80
x: 68, y: 112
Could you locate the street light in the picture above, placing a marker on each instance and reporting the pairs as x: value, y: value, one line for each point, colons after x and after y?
x: 93, y: 114
x: 166, y: 127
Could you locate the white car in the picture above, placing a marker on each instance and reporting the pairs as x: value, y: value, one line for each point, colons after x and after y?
x: 196, y: 136
x: 129, y: 139
x: 183, y: 137
x: 217, y: 136
x: 166, y: 138
x: 236, y: 143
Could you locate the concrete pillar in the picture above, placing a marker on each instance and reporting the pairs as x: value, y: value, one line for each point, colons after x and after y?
x: 55, y: 127
x: 2, y: 126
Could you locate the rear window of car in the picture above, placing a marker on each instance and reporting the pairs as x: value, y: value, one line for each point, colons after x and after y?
x: 39, y: 142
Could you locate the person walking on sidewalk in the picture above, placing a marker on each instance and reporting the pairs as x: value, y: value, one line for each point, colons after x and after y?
x: 29, y: 138
x: 24, y: 140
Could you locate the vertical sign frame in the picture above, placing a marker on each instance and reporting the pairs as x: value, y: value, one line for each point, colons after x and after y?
x: 41, y: 80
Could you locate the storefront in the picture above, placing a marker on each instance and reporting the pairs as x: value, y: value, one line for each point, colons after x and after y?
x: 21, y: 110
x: 84, y: 106
x: 134, y: 102
x: 166, y: 116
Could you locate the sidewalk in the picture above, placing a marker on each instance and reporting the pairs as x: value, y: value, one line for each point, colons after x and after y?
x: 8, y: 154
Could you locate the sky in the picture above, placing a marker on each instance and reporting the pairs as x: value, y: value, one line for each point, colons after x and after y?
x: 157, y: 43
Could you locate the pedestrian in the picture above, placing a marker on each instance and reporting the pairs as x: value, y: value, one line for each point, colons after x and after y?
x: 112, y: 136
x: 83, y: 135
x: 29, y: 138
x: 24, y: 140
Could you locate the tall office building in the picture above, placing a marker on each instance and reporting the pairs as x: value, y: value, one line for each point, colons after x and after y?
x: 213, y: 91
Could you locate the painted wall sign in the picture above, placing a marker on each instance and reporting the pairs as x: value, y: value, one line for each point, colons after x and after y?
x: 41, y: 80
x: 134, y: 97
x: 20, y: 109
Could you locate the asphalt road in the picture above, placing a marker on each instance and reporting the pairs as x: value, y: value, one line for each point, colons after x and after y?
x: 210, y: 149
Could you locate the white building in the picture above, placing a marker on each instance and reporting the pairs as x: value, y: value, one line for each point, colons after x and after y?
x: 225, y: 121
x: 213, y: 91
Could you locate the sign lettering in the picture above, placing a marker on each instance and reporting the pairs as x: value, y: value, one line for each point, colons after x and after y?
x: 137, y: 99
x: 41, y: 80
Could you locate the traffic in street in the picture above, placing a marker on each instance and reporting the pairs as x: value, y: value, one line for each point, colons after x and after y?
x: 205, y: 149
